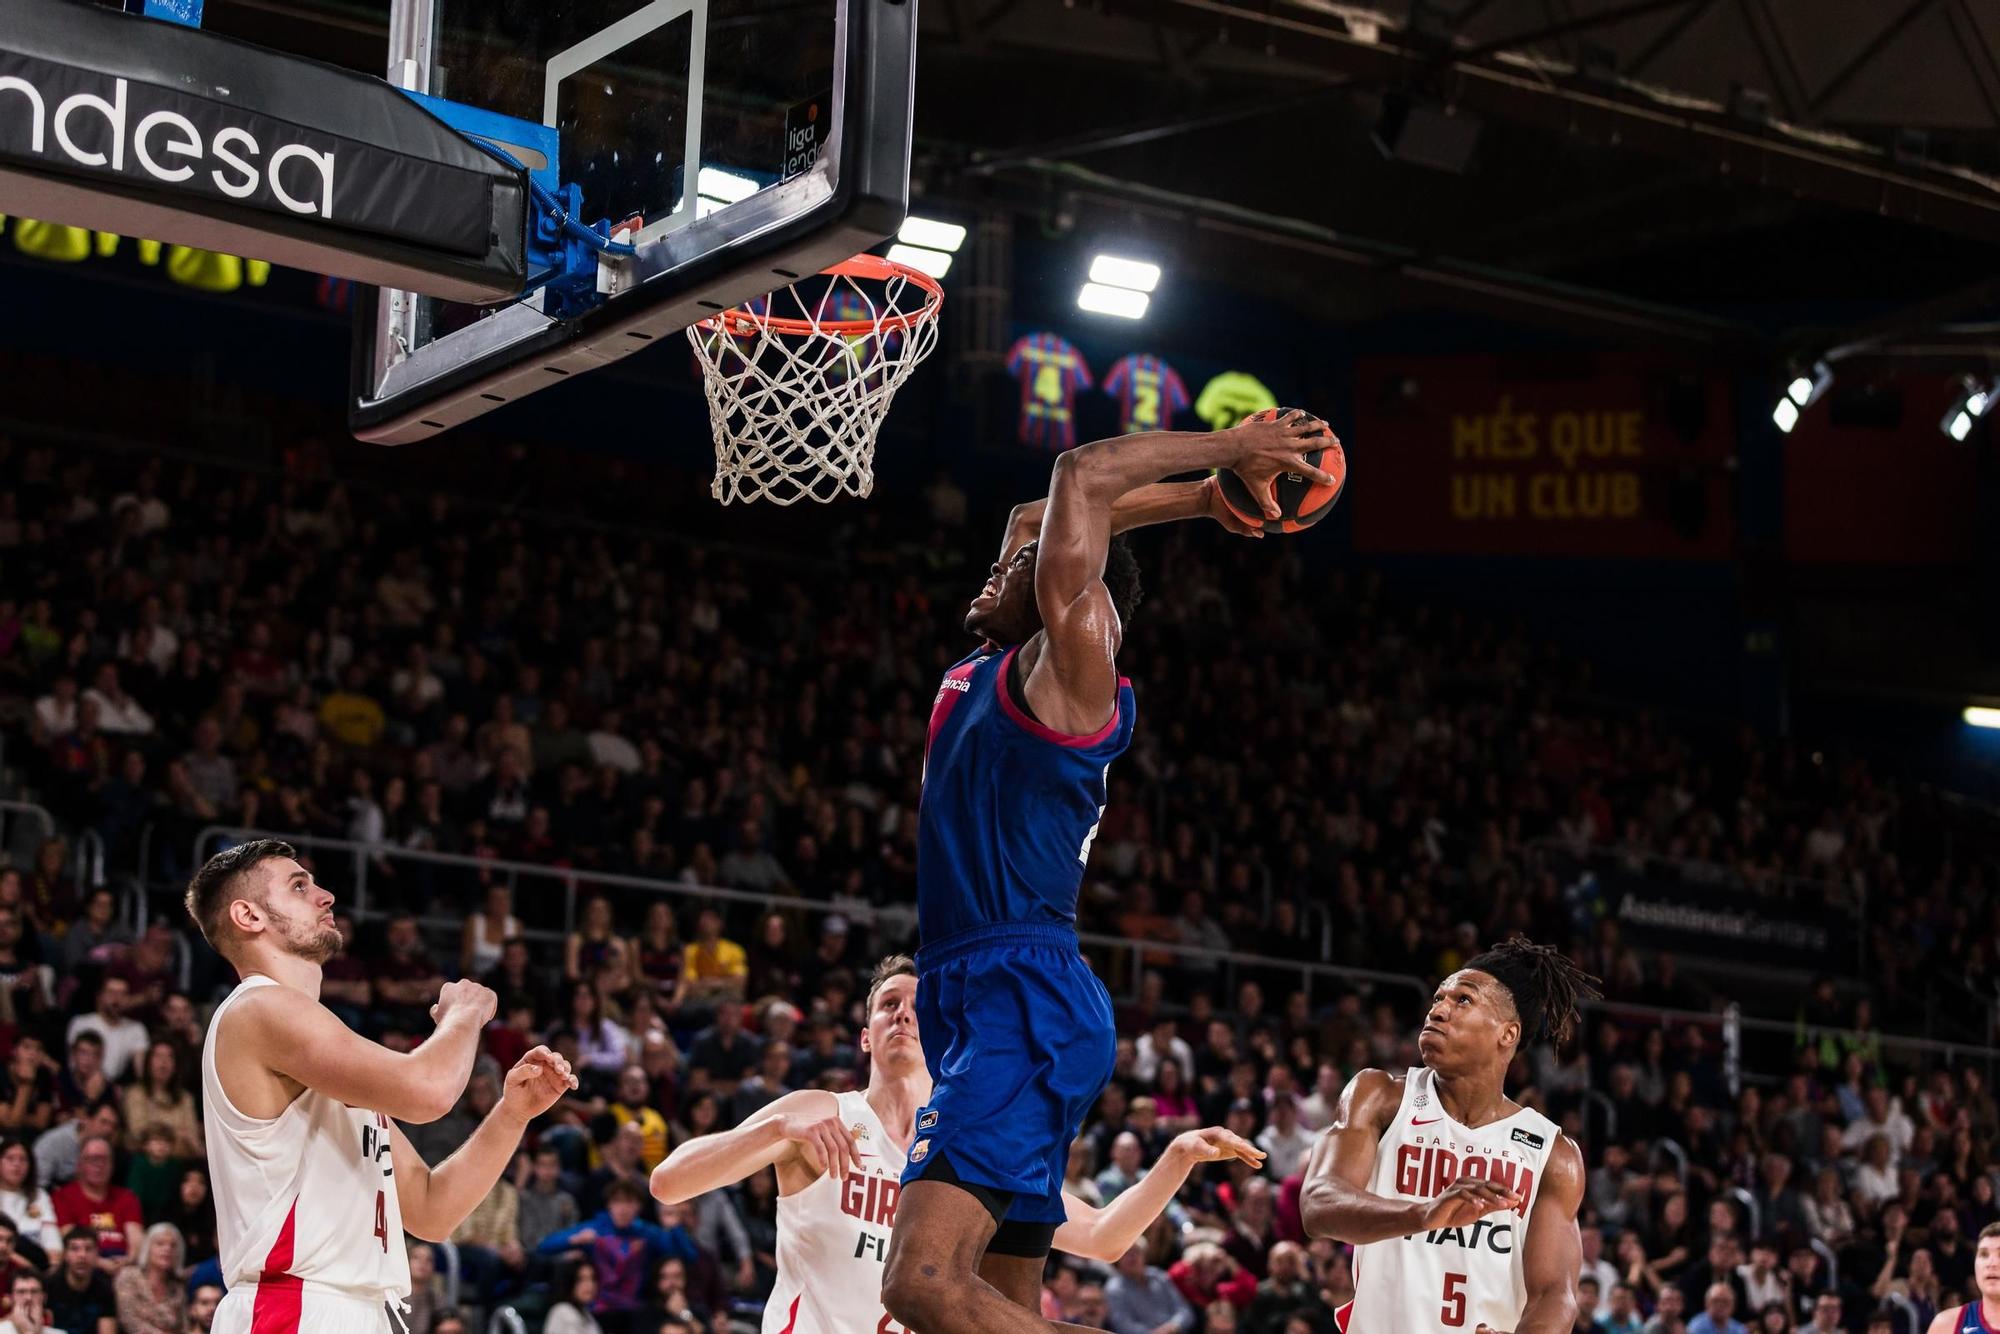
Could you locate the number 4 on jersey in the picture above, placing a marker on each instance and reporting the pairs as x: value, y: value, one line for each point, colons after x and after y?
x: 1083, y: 853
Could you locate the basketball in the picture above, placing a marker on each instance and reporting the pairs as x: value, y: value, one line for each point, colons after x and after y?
x: 1301, y: 502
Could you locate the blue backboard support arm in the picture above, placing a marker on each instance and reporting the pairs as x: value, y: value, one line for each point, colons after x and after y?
x: 562, y: 249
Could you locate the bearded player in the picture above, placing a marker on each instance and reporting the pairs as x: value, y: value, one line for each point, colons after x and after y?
x: 840, y: 1158
x: 1460, y: 1203
x: 314, y: 1184
x: 1983, y: 1315
x: 1017, y: 1030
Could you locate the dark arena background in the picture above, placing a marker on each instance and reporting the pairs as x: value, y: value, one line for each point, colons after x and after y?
x: 1660, y: 622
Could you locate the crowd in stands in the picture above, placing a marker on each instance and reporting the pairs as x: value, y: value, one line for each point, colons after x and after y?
x: 185, y: 646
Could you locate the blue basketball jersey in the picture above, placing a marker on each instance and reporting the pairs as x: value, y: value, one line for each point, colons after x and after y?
x: 1970, y: 1320
x: 1009, y: 806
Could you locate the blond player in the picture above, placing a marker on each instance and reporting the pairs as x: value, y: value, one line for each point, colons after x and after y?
x: 1460, y: 1203
x: 314, y: 1185
x: 840, y: 1158
x: 1982, y: 1316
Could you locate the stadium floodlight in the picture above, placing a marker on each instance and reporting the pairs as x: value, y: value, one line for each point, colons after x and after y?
x: 1805, y: 389
x: 921, y: 258
x: 1972, y: 404
x: 1106, y: 300
x: 1134, y: 275
x: 931, y: 235
x: 1977, y: 716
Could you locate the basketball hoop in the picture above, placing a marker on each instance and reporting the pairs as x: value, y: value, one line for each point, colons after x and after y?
x: 800, y: 381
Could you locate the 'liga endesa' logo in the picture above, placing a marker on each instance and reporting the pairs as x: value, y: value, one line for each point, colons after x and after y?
x: 168, y: 146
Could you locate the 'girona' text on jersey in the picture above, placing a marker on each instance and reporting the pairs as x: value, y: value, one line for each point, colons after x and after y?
x: 871, y: 1199
x: 1423, y: 1173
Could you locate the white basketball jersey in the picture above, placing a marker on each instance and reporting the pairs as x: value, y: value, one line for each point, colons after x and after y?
x: 1449, y: 1279
x: 833, y: 1239
x: 310, y: 1193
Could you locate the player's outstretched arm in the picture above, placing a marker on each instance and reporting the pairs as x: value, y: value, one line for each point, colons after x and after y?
x: 1160, y: 502
x: 302, y: 1041
x: 1074, y: 682
x: 1554, y: 1251
x: 1336, y: 1202
x: 435, y: 1200
x: 803, y: 1125
x: 1107, y: 1233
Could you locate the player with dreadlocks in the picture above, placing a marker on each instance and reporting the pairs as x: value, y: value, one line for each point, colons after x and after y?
x: 1460, y: 1203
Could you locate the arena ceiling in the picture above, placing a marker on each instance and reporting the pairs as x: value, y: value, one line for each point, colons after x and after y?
x: 1691, y: 156
x: 1666, y: 169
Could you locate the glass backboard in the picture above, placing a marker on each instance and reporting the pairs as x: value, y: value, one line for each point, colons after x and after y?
x: 745, y: 141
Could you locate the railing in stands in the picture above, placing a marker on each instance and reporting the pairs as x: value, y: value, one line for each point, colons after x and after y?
x: 366, y: 867
x: 19, y: 821
x: 1672, y: 1148
x: 366, y: 864
x: 1751, y: 1211
x: 25, y: 826
x: 87, y: 861
x: 1826, y: 1253
x: 1606, y: 1109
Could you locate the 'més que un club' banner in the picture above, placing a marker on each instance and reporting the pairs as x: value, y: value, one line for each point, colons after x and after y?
x: 1591, y: 456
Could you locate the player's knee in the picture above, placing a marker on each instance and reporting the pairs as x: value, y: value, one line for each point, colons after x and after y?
x: 917, y: 1294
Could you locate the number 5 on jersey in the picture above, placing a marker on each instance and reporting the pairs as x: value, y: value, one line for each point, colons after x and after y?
x: 1454, y: 1301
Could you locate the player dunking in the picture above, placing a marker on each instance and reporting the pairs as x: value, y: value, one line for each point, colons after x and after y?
x: 1982, y: 1316
x: 1460, y: 1203
x: 313, y: 1184
x: 1017, y: 1030
x: 840, y: 1158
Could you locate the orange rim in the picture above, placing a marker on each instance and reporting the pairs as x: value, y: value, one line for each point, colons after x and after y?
x: 740, y: 321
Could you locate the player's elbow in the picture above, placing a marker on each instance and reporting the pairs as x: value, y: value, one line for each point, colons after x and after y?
x: 1086, y: 468
x: 1104, y: 1250
x: 667, y: 1185
x: 1313, y: 1210
x: 1559, y: 1304
x: 426, y: 1228
x: 1320, y: 1214
x: 1090, y: 1243
x: 426, y: 1099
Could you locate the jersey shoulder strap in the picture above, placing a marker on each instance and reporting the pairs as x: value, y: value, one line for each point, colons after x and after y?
x: 1417, y: 1092
x: 212, y: 1057
x: 854, y: 1106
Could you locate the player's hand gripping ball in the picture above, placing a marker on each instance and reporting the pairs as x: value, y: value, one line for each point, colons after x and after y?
x: 1302, y: 501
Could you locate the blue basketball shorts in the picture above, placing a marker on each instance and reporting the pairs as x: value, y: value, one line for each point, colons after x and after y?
x: 1019, y: 1037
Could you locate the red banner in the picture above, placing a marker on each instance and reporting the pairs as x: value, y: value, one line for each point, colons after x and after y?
x: 1894, y: 490
x: 1590, y: 456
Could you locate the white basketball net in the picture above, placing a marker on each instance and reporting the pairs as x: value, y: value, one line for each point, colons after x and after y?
x: 796, y: 408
